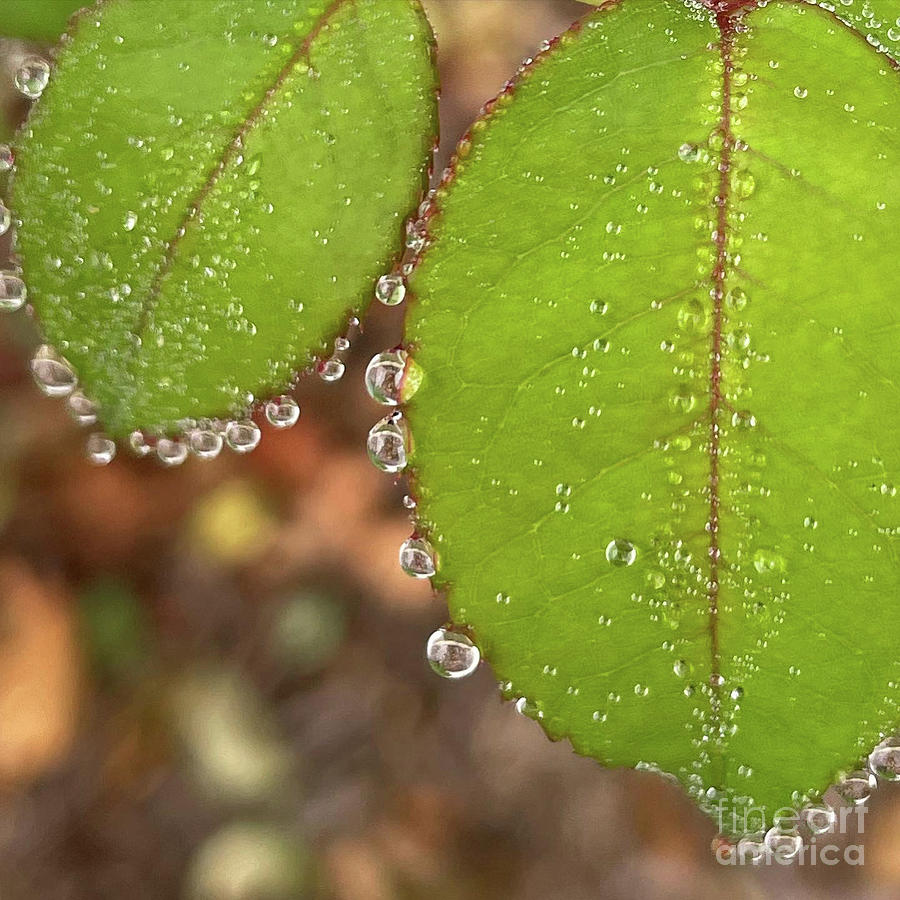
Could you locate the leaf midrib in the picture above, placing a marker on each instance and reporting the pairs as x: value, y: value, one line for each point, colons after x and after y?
x: 194, y: 210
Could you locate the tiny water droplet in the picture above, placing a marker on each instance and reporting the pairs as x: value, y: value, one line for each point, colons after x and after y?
x: 331, y: 369
x: 801, y: 92
x: 81, y: 409
x: 620, y: 552
x: 417, y: 557
x: 7, y: 158
x: 282, y: 412
x: 52, y: 374
x: 386, y: 443
x: 390, y: 290
x: 130, y: 220
x: 681, y: 668
x: 205, y: 443
x: 99, y: 449
x: 244, y: 436
x: 12, y: 292
x: 32, y: 77
x: 5, y: 219
x: 884, y: 760
x: 452, y: 654
x: 409, y: 502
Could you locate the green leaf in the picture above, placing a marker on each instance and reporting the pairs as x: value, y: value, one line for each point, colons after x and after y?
x: 206, y: 198
x: 37, y: 20
x: 617, y: 364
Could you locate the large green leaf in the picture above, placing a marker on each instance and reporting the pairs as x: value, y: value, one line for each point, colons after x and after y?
x: 208, y: 190
x: 654, y: 444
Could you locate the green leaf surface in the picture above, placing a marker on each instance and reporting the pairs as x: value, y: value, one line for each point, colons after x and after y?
x: 659, y: 311
x: 37, y: 20
x: 206, y: 198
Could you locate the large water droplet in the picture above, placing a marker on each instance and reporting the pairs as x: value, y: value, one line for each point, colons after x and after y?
x: 417, y: 557
x: 620, y: 552
x: 392, y: 377
x: 452, y: 654
x: 99, y: 449
x: 282, y: 412
x: 884, y: 760
x: 242, y: 437
x: 390, y: 290
x: 81, y: 409
x: 32, y: 77
x: 386, y: 443
x: 205, y: 443
x: 12, y: 292
x: 171, y: 451
x: 52, y: 373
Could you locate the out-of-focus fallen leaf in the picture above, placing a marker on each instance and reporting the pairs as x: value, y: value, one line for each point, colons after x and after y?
x: 40, y: 674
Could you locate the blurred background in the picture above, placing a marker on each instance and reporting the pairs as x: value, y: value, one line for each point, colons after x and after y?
x: 212, y: 680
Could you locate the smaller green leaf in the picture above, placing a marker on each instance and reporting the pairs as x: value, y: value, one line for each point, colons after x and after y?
x: 206, y: 198
x: 37, y: 20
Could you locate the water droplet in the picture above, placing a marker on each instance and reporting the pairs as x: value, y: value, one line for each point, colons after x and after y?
x: 282, y: 412
x: 138, y: 444
x: 409, y: 502
x: 856, y: 787
x: 689, y: 152
x: 392, y: 377
x: 737, y: 693
x: 744, y: 183
x: 7, y: 158
x: 884, y: 760
x: 620, y: 552
x: 99, y: 449
x: 801, y: 92
x: 242, y: 437
x: 81, y: 409
x: 417, y: 557
x: 390, y: 290
x: 387, y: 443
x: 5, y: 219
x: 130, y: 220
x: 452, y: 654
x: 750, y: 850
x: 331, y: 369
x: 783, y: 844
x: 818, y: 819
x: 681, y: 668
x: 52, y: 374
x: 171, y: 451
x: 205, y: 443
x: 12, y: 292
x: 32, y: 77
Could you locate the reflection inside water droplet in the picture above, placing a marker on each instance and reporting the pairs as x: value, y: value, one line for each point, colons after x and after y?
x: 171, y: 451
x: 32, y: 77
x: 417, y: 557
x: 392, y: 377
x: 390, y: 290
x: 620, y: 552
x: 386, y: 443
x: 81, y: 409
x: 52, y: 374
x: 452, y: 654
x: 205, y: 443
x: 282, y: 412
x: 884, y: 760
x: 242, y: 437
x: 12, y: 292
